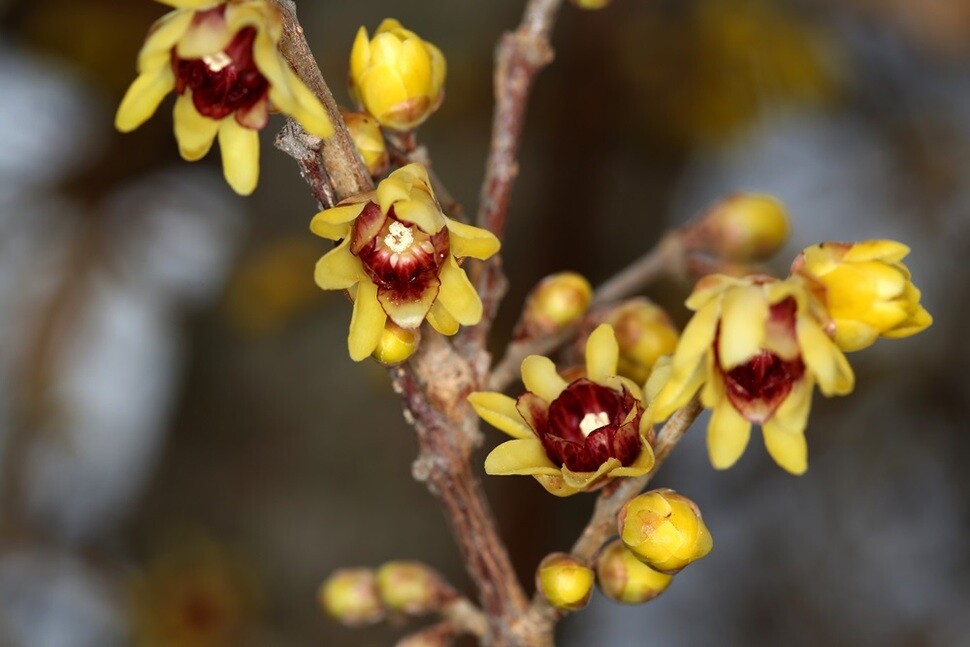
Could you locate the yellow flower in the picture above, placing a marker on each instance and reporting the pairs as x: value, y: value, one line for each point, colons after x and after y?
x: 591, y: 4
x: 564, y: 581
x: 398, y: 257
x: 743, y: 227
x: 555, y: 302
x: 368, y: 141
x: 664, y: 530
x: 396, y: 76
x: 410, y: 587
x: 645, y: 334
x: 223, y: 61
x: 866, y: 290
x: 570, y: 436
x: 758, y: 348
x: 624, y: 578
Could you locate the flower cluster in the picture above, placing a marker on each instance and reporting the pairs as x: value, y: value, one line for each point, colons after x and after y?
x: 399, y: 256
x: 757, y: 346
x: 223, y: 61
x: 571, y: 436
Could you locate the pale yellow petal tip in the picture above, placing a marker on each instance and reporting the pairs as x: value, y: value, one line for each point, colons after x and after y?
x: 602, y: 354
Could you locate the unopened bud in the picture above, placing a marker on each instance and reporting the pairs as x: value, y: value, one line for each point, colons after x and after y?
x: 591, y: 4
x: 350, y: 597
x: 564, y: 581
x: 644, y: 333
x: 396, y: 344
x: 624, y: 578
x: 557, y: 301
x: 409, y: 587
x: 664, y: 530
x: 368, y: 140
x: 743, y: 227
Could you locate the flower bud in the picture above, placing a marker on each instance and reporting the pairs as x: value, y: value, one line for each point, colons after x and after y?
x: 624, y: 578
x: 591, y: 4
x: 664, y: 530
x: 396, y: 76
x: 644, y: 333
x: 350, y: 597
x: 744, y: 227
x: 564, y: 581
x: 396, y: 344
x: 368, y: 141
x: 866, y: 291
x: 409, y: 587
x: 557, y: 301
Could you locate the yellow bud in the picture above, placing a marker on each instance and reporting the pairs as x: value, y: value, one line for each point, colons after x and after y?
x: 557, y: 301
x: 664, y: 530
x: 644, y: 333
x: 591, y: 4
x: 624, y: 578
x: 350, y: 597
x: 866, y: 291
x: 396, y: 345
x: 409, y: 587
x: 396, y: 76
x: 564, y: 581
x: 368, y: 141
x: 744, y: 227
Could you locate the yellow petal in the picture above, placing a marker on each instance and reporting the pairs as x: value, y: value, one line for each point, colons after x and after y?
x: 421, y: 212
x: 468, y: 241
x: 710, y: 287
x: 786, y: 446
x: 208, y: 34
x: 191, y: 4
x: 676, y: 393
x: 744, y: 313
x: 659, y: 376
x: 792, y: 413
x: 359, y: 54
x: 441, y: 320
x: 540, y: 377
x: 824, y: 359
x: 852, y: 335
x: 499, y: 411
x: 391, y: 189
x: 240, y: 155
x: 921, y: 320
x: 584, y: 479
x: 414, y: 65
x: 193, y: 132
x: 335, y: 223
x: 642, y: 465
x: 164, y: 34
x: 338, y: 269
x: 308, y: 110
x: 381, y: 90
x: 697, y: 338
x: 142, y: 98
x: 555, y: 484
x: 458, y: 295
x: 367, y: 322
x: 520, y: 456
x: 602, y: 354
x: 889, y: 251
x: 727, y: 435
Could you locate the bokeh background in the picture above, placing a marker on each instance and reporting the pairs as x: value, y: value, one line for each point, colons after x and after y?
x: 187, y: 450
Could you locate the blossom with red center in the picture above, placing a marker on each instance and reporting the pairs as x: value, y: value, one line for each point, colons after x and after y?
x: 570, y: 436
x: 399, y: 258
x: 757, y: 347
x: 222, y: 59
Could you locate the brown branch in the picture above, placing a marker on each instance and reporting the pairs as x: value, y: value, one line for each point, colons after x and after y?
x: 520, y: 56
x: 339, y: 160
x: 666, y: 257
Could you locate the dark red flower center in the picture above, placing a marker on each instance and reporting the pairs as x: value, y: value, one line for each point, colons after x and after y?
x: 225, y: 82
x: 586, y: 425
x: 759, y: 386
x: 396, y: 255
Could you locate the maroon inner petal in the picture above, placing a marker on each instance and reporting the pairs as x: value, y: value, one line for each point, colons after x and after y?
x: 224, y: 83
x: 758, y: 387
x: 579, y: 399
x: 535, y: 411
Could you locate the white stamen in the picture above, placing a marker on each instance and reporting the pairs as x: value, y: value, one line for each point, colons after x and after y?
x: 593, y: 421
x: 217, y: 62
x: 399, y: 239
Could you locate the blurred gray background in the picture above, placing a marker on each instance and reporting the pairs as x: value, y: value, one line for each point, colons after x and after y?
x: 181, y: 423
